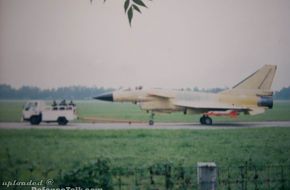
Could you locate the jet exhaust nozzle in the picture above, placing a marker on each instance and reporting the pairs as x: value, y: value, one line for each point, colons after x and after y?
x: 105, y: 97
x: 266, y: 101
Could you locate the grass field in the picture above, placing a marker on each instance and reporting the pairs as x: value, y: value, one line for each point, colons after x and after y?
x: 52, y: 150
x: 48, y: 153
x: 10, y: 111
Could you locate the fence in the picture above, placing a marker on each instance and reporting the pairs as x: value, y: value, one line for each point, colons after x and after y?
x: 244, y: 177
x: 101, y: 174
x: 257, y: 177
x: 156, y: 177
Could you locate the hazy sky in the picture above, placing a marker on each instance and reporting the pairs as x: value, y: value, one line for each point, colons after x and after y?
x: 173, y: 44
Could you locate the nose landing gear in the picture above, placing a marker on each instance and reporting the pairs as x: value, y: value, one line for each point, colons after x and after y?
x: 151, y: 119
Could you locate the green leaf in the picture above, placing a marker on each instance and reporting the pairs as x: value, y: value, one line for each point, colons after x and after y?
x: 137, y: 8
x: 126, y: 5
x: 130, y: 15
x: 139, y: 2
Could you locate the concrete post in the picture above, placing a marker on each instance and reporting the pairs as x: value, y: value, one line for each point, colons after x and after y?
x: 206, y: 176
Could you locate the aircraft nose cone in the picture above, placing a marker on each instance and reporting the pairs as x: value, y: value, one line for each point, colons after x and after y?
x: 105, y: 97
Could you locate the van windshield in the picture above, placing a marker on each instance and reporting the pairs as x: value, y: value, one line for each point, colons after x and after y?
x: 30, y: 105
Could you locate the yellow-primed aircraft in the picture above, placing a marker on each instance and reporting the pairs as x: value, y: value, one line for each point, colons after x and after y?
x: 252, y: 96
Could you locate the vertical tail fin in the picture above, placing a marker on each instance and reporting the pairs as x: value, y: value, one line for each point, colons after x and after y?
x: 259, y: 85
x: 262, y: 79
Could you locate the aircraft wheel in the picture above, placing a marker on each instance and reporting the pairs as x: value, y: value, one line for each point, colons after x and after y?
x: 207, y: 121
x: 201, y: 120
x: 151, y: 122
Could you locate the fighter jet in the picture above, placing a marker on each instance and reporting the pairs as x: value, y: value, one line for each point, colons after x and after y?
x: 251, y: 96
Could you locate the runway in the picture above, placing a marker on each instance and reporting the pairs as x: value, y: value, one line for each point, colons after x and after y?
x: 126, y: 126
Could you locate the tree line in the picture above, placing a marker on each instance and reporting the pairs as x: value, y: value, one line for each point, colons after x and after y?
x: 85, y: 93
x: 283, y: 94
x: 71, y: 92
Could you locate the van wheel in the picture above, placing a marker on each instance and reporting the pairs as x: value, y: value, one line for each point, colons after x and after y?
x: 35, y: 120
x: 62, y: 121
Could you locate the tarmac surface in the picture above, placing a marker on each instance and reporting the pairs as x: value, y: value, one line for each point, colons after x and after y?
x: 122, y: 126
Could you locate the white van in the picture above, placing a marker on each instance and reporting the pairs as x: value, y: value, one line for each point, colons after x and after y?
x: 38, y: 111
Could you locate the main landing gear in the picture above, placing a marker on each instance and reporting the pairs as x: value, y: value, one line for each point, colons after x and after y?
x: 205, y: 120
